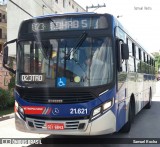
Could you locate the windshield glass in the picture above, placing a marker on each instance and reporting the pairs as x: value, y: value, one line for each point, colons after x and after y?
x: 67, y: 62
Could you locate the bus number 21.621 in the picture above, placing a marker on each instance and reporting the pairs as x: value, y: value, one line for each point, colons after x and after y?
x: 78, y: 111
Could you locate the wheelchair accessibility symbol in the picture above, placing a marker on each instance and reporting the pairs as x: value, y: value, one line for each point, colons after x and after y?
x: 61, y: 82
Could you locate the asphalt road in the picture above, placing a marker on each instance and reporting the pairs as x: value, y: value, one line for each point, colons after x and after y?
x: 146, y: 125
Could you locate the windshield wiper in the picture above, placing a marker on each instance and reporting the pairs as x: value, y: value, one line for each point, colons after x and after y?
x: 41, y: 44
x: 45, y: 49
x: 70, y: 55
x: 82, y: 38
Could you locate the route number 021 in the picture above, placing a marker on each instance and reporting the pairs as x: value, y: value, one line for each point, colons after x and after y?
x: 78, y: 111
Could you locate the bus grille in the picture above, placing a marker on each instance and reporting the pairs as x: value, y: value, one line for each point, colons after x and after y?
x: 68, y: 125
x: 78, y: 97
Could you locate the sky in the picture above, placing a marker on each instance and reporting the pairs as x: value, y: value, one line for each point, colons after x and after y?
x: 140, y: 17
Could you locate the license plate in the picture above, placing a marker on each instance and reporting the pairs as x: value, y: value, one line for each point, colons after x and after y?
x: 55, y: 126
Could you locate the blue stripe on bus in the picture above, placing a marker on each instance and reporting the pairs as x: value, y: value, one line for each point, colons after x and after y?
x: 66, y: 109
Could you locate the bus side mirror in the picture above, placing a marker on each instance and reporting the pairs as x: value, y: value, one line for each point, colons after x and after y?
x: 5, y: 55
x: 124, y: 51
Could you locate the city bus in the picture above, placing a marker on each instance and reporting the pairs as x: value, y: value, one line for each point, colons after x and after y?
x: 79, y: 74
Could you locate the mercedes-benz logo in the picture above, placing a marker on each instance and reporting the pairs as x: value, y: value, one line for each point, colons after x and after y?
x: 55, y: 111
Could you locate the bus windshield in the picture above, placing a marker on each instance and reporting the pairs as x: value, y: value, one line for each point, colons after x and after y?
x: 66, y: 62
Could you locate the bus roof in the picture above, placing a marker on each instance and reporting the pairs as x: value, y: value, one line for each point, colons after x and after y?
x: 64, y: 14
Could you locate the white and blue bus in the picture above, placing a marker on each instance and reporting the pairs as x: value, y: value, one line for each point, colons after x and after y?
x: 79, y: 74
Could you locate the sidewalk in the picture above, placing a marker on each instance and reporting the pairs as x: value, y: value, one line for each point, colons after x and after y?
x: 5, y: 117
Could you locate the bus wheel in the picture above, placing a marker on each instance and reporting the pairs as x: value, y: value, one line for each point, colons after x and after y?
x: 148, y: 106
x: 126, y: 128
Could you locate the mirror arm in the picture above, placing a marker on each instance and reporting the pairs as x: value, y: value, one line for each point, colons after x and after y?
x: 12, y: 41
x: 9, y: 69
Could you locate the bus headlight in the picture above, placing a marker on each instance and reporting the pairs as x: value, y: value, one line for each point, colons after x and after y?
x: 96, y: 112
x: 102, y: 109
x: 19, y: 109
x: 107, y: 105
x: 16, y: 106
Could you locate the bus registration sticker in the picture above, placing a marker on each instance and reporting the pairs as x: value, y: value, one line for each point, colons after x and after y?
x: 55, y: 126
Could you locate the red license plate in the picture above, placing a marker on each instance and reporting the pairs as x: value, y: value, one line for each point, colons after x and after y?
x: 55, y: 126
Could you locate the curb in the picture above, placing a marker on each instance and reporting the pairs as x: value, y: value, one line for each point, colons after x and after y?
x: 5, y: 117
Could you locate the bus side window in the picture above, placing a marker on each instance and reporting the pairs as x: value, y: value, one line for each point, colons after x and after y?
x: 130, y: 47
x: 124, y: 66
x: 134, y: 55
x: 131, y: 61
x: 139, y: 56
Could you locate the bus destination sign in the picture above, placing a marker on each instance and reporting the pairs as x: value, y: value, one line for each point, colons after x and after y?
x: 72, y: 23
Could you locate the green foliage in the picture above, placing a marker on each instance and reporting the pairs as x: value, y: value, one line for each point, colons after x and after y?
x: 11, y: 84
x: 6, y: 96
x: 11, y: 99
x: 3, y: 98
x: 6, y: 99
x: 6, y: 111
x: 157, y: 60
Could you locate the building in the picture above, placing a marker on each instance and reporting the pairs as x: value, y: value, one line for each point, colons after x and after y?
x: 3, y: 26
x: 4, y: 74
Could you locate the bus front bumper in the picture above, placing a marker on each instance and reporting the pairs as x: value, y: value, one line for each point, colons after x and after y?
x: 103, y: 125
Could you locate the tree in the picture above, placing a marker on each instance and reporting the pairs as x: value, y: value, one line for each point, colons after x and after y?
x: 157, y: 60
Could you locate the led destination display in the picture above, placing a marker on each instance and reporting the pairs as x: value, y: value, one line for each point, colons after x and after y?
x: 68, y: 23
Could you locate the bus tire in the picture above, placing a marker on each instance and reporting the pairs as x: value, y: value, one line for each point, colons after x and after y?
x: 148, y: 106
x: 126, y: 128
